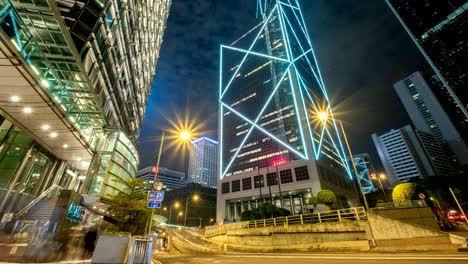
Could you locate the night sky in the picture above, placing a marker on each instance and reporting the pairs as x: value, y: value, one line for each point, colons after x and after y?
x: 360, y: 46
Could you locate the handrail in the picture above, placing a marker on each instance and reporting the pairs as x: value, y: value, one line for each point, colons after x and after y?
x: 355, y: 213
x: 36, y: 200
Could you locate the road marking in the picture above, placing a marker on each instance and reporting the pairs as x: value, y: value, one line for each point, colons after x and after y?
x: 363, y: 257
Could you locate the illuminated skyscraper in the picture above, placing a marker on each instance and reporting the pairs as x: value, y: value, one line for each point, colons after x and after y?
x: 275, y: 118
x: 439, y: 29
x: 202, y: 162
x: 74, y: 84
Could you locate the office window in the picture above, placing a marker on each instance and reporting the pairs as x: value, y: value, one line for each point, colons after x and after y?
x: 302, y: 173
x: 258, y: 181
x: 272, y: 179
x: 225, y: 187
x: 286, y: 176
x: 246, y: 184
x: 235, y: 186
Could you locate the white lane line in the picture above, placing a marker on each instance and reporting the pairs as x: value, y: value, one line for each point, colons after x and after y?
x: 355, y: 257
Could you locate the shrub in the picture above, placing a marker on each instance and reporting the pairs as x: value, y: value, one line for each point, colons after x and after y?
x: 326, y: 197
x: 313, y: 200
x: 403, y: 192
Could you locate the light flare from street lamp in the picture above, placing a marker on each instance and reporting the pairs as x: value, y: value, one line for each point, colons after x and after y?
x: 323, y: 116
x: 196, y: 197
x: 185, y: 135
x: 382, y: 176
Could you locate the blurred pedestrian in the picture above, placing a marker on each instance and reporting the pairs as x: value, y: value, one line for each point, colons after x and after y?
x: 90, y: 242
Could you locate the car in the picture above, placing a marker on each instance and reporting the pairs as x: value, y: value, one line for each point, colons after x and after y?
x: 454, y: 216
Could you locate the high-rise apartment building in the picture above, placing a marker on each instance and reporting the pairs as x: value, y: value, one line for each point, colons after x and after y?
x: 406, y: 153
x: 171, y: 179
x: 202, y: 162
x: 365, y: 170
x: 439, y: 29
x: 74, y: 83
x: 428, y: 116
x: 278, y: 138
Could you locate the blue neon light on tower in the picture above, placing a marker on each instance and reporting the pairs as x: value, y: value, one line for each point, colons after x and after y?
x: 271, y: 94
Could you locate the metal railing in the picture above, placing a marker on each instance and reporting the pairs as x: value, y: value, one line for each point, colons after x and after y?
x: 356, y: 213
x: 38, y: 199
x: 140, y: 251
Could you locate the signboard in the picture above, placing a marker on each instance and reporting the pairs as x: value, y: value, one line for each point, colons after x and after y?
x: 154, y: 204
x: 75, y: 213
x: 422, y: 196
x: 156, y: 196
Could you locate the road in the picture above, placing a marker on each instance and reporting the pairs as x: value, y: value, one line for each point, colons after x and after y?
x: 319, y: 258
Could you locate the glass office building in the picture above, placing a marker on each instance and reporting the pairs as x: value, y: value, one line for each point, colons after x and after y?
x: 74, y: 85
x: 202, y: 162
x: 439, y: 29
x: 271, y: 98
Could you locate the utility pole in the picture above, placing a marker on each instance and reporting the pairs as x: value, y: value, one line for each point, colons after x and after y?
x: 458, y: 203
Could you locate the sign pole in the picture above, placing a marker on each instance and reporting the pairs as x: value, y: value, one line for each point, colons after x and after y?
x: 155, y: 177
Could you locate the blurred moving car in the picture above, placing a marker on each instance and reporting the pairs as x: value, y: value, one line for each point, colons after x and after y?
x: 454, y: 216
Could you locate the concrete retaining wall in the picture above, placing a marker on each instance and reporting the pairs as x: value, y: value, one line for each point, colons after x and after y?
x: 384, y: 228
x: 338, y: 235
x: 421, y: 216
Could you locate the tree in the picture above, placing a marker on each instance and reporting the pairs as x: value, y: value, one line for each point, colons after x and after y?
x: 130, y: 209
x: 313, y: 200
x: 326, y: 197
x: 403, y: 192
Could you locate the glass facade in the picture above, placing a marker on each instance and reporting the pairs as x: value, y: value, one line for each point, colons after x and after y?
x: 117, y: 161
x: 92, y: 63
x: 271, y: 91
x: 439, y: 28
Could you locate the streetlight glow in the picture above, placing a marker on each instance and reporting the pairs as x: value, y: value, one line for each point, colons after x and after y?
x: 382, y: 176
x: 323, y: 116
x: 177, y: 204
x: 185, y: 135
x: 196, y: 197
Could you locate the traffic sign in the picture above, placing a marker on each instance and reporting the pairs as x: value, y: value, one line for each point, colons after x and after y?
x: 157, y: 185
x: 154, y: 204
x: 156, y: 196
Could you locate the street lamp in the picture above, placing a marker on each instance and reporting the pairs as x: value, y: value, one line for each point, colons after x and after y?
x: 434, y: 199
x: 380, y: 178
x: 183, y: 136
x: 179, y: 215
x: 176, y: 205
x: 323, y: 117
x: 194, y: 198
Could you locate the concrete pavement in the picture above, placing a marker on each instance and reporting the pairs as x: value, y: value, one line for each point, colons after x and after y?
x: 319, y: 258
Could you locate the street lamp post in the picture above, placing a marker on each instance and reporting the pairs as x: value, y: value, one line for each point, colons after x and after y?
x: 194, y: 198
x: 175, y: 205
x: 354, y: 167
x: 379, y: 178
x: 183, y: 136
x: 323, y: 117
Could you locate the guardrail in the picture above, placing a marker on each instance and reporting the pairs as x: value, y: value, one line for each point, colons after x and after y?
x: 356, y: 213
